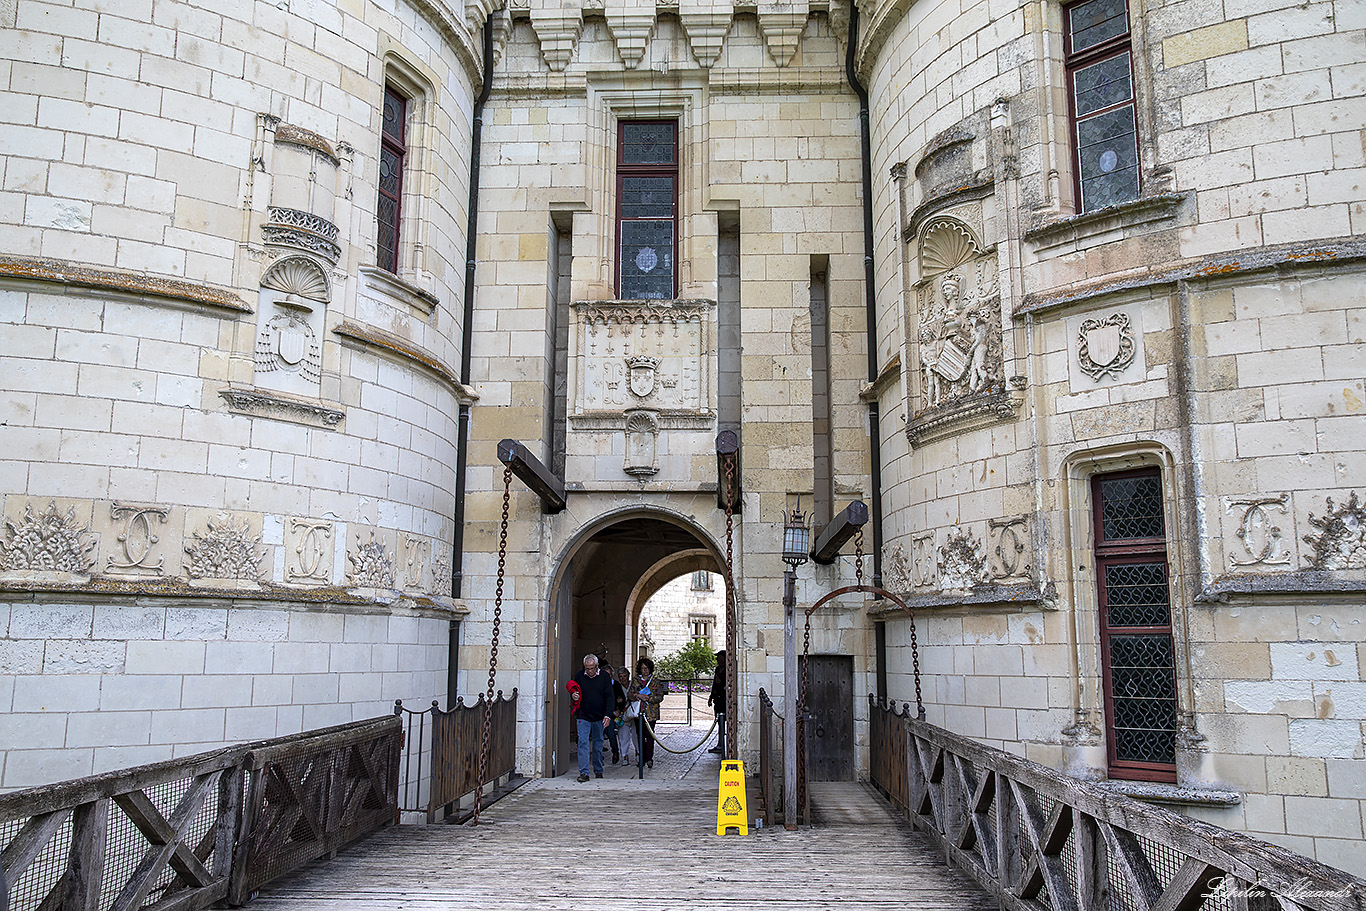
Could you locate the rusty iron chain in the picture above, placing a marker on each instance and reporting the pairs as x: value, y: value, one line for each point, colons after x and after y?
x: 858, y: 555
x: 484, y: 744
x: 732, y: 660
x: 802, y: 790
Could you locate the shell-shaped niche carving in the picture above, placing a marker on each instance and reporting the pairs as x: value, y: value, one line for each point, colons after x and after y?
x: 944, y: 244
x: 298, y: 275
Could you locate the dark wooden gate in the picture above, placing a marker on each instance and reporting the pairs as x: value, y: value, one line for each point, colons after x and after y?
x: 830, y: 730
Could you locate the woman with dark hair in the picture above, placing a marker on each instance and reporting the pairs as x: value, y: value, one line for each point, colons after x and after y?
x: 649, y: 691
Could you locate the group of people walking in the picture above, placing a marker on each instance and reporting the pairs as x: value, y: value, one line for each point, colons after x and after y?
x: 608, y: 708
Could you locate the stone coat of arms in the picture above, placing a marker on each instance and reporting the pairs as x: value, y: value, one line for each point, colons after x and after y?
x: 642, y: 374
x: 1105, y: 346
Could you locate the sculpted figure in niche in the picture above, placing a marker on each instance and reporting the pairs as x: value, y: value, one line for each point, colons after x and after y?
x: 959, y: 351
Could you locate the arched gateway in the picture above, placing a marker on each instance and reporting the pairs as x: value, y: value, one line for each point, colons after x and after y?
x: 603, y: 578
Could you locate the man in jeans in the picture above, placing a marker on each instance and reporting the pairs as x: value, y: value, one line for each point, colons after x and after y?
x: 594, y: 706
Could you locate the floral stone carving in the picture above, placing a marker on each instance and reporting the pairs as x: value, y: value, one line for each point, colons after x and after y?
x: 372, y: 564
x: 962, y: 561
x: 225, y: 550
x: 49, y: 542
x: 896, y: 568
x: 1341, y: 542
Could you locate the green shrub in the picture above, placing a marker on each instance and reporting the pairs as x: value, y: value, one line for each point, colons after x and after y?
x: 696, y: 659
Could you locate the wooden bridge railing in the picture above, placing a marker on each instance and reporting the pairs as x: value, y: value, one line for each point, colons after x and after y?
x: 452, y: 753
x: 1039, y: 840
x: 183, y: 834
x: 770, y: 760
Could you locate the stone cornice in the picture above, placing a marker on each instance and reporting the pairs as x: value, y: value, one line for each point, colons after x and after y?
x: 61, y: 272
x: 371, y: 337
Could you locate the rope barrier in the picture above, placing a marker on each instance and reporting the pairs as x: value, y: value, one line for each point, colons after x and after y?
x: 661, y: 745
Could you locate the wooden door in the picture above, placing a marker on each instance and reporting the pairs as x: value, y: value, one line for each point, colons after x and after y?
x: 560, y: 668
x: 830, y: 732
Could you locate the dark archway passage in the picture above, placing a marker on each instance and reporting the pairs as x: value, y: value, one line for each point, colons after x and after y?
x: 605, y: 581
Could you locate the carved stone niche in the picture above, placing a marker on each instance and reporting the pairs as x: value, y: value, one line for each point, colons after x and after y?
x: 642, y: 444
x: 292, y: 307
x: 958, y: 363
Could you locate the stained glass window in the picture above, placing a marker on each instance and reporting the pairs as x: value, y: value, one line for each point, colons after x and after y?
x: 393, y: 138
x: 647, y: 201
x: 1137, y: 650
x: 1100, y: 75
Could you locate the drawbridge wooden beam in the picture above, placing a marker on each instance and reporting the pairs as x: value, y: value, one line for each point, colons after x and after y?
x: 533, y: 474
x: 843, y: 527
x: 728, y: 470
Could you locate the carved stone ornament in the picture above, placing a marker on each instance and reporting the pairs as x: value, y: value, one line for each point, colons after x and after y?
x: 309, y: 551
x: 1259, y: 538
x: 958, y: 334
x: 1010, y: 544
x: 48, y: 542
x: 1105, y: 346
x: 224, y: 550
x: 137, y: 540
x: 924, y: 560
x: 962, y: 562
x: 372, y: 564
x: 441, y: 574
x: 288, y: 343
x: 1341, y: 542
x: 896, y: 568
x: 415, y: 552
x: 642, y: 371
x: 642, y: 444
x: 298, y: 277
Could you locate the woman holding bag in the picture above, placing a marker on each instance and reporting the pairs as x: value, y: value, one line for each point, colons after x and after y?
x: 649, y: 691
x: 627, y: 712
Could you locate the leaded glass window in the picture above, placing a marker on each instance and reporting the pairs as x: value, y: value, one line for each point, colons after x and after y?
x: 647, y: 209
x: 1137, y: 651
x: 1101, y: 96
x: 393, y: 139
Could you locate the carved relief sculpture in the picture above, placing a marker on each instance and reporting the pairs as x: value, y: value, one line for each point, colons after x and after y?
x: 224, y: 550
x: 632, y: 354
x: 415, y: 552
x: 48, y: 542
x: 924, y: 562
x: 137, y: 540
x: 896, y: 568
x: 294, y: 295
x: 1341, y: 541
x: 1010, y: 548
x: 958, y: 333
x: 308, y: 550
x: 1105, y: 346
x: 1259, y: 540
x: 962, y: 562
x: 372, y: 564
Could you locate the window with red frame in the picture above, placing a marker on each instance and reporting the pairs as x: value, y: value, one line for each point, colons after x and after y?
x: 1137, y: 652
x: 392, y: 149
x: 647, y: 209
x: 1100, y: 85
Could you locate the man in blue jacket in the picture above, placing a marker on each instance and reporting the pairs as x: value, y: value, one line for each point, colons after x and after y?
x: 597, y: 700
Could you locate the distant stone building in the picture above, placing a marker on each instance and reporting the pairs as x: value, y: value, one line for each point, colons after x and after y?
x: 691, y: 608
x: 1069, y: 294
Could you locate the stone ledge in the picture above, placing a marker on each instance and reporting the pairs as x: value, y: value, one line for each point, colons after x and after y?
x: 1157, y: 792
x: 268, y: 594
x: 370, y: 337
x: 422, y: 302
x: 266, y: 403
x: 1298, y: 582
x: 61, y: 272
x: 988, y: 594
x: 1208, y: 268
x: 1121, y: 216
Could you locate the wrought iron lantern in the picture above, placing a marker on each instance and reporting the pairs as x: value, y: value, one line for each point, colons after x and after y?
x: 796, y: 537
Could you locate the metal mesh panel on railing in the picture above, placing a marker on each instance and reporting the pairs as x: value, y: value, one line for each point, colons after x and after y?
x: 29, y: 889
x: 1040, y: 839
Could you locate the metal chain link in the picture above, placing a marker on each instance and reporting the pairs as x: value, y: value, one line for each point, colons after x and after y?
x: 802, y: 789
x: 484, y: 744
x: 858, y: 555
x: 732, y: 660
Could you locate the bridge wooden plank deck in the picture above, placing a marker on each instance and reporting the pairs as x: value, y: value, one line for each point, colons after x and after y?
x: 636, y: 845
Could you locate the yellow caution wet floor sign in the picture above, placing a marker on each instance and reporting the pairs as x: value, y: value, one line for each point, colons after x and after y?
x: 730, y: 802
